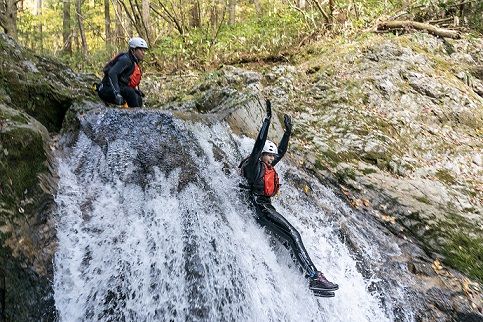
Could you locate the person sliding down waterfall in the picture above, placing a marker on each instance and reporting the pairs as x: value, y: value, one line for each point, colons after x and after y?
x: 262, y: 184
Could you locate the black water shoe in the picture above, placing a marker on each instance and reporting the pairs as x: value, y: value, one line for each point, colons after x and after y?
x: 319, y: 282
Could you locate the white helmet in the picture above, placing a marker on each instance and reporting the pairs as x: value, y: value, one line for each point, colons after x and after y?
x: 270, y: 147
x: 137, y: 42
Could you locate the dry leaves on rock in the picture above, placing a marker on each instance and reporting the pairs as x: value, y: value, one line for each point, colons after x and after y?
x: 388, y: 218
x: 437, y: 266
x: 306, y: 189
x: 473, y: 292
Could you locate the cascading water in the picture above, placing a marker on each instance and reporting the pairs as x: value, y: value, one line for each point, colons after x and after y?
x: 152, y: 227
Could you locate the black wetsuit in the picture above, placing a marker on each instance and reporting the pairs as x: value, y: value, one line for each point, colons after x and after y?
x: 267, y: 216
x: 116, y: 80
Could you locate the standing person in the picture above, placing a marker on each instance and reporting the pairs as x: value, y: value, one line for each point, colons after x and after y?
x: 122, y: 76
x: 262, y: 179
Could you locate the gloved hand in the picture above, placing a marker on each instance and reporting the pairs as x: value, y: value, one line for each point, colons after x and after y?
x: 269, y: 108
x: 119, y: 100
x: 287, y: 120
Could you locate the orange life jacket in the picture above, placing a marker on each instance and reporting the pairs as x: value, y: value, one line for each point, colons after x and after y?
x: 132, y: 76
x: 135, y: 77
x: 271, y: 183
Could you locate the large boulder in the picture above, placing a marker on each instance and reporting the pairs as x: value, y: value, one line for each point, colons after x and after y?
x: 40, y: 87
x: 27, y: 233
x: 35, y: 95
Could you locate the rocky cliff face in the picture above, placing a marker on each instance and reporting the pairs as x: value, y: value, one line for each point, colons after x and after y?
x: 35, y: 94
x: 398, y: 121
x: 395, y: 123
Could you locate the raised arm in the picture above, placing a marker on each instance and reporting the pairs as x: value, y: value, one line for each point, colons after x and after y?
x: 283, y: 145
x: 252, y: 161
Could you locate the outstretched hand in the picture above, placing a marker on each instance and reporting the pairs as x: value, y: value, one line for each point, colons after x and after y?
x: 287, y: 120
x: 268, y: 108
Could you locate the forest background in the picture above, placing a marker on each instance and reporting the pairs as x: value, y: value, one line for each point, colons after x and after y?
x: 203, y: 34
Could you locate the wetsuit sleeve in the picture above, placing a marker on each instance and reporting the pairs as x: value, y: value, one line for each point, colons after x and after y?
x: 282, y: 147
x: 251, y: 167
x: 119, y: 67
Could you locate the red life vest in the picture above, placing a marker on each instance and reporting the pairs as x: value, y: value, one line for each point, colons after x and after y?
x: 135, y: 77
x: 134, y: 72
x: 271, y: 184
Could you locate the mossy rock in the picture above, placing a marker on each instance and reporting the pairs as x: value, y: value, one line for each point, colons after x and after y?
x: 26, y: 199
x: 28, y: 296
x: 43, y: 88
x: 22, y: 142
x: 383, y: 113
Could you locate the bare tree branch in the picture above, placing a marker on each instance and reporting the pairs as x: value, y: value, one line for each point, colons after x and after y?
x: 170, y: 17
x: 406, y: 24
x: 322, y: 11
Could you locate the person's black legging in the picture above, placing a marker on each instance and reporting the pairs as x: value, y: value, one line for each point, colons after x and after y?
x: 269, y: 218
x: 132, y: 97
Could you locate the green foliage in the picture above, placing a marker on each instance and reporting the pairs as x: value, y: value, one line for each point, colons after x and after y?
x: 467, y: 12
x: 274, y: 31
x: 465, y: 253
x: 258, y: 37
x: 475, y: 17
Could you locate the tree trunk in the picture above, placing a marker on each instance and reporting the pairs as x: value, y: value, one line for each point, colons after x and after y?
x: 170, y: 16
x: 258, y: 8
x: 322, y: 11
x: 107, y: 24
x: 213, y: 14
x: 8, y: 17
x: 80, y: 23
x: 405, y: 25
x: 66, y: 29
x: 40, y: 32
x: 231, y: 12
x: 331, y: 12
x: 145, y: 19
x: 134, y: 12
x: 195, y: 17
x: 118, y: 32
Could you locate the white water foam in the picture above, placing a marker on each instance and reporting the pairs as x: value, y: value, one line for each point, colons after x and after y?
x: 153, y: 253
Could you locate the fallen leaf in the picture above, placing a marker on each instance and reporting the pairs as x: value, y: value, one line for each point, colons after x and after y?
x: 437, y: 266
x: 306, y: 189
x: 357, y: 203
x: 390, y: 219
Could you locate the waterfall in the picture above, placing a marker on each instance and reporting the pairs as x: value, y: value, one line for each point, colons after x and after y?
x: 152, y: 226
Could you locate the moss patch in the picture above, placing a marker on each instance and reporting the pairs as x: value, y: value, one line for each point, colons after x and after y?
x: 445, y: 176
x: 23, y: 160
x: 423, y: 199
x: 465, y: 253
x: 456, y: 239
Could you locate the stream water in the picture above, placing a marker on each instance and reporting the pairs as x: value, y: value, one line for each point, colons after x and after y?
x: 152, y: 226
